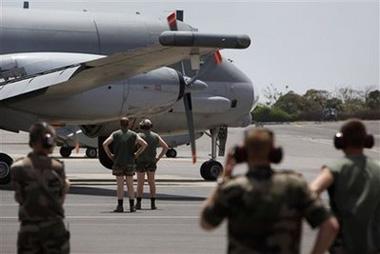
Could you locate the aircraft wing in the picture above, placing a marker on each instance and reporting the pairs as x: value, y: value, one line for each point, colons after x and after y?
x: 175, y: 46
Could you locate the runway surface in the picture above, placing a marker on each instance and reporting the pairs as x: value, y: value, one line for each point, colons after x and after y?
x: 173, y: 228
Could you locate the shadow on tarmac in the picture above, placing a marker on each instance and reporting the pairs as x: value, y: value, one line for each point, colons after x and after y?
x: 81, y: 190
x: 95, y: 191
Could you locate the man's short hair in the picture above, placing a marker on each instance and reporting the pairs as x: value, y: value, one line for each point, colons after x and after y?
x: 124, y: 122
x: 354, y: 133
x: 38, y: 131
x: 259, y: 142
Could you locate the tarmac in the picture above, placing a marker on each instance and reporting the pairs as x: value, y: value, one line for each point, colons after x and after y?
x: 173, y: 228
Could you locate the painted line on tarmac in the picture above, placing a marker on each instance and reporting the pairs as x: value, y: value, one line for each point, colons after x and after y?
x: 126, y: 216
x: 111, y: 205
x: 84, y: 158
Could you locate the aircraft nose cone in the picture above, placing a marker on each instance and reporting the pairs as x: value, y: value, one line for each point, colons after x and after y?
x: 255, y: 97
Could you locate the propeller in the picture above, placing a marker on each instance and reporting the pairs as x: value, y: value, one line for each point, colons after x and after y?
x: 190, y: 124
x: 187, y: 101
x: 74, y: 135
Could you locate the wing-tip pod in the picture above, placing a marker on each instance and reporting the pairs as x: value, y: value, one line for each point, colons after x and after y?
x: 204, y: 40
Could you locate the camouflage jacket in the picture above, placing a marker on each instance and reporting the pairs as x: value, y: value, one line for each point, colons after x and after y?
x: 264, y: 210
x: 39, y: 184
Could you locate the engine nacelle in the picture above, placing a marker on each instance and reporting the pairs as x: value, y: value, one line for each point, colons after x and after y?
x: 95, y: 130
x: 154, y: 92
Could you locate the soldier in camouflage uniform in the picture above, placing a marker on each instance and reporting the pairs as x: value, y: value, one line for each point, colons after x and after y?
x: 265, y: 208
x: 40, y: 186
x: 124, y: 154
x: 147, y: 162
x: 353, y: 185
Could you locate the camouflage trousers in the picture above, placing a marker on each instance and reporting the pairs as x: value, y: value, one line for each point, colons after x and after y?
x: 50, y: 237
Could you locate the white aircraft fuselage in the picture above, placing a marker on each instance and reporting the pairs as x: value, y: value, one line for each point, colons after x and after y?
x: 39, y: 40
x: 41, y: 49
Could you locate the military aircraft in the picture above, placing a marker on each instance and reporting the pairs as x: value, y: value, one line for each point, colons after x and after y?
x: 89, y: 69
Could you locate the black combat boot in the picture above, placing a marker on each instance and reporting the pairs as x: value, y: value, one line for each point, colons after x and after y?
x: 138, y: 204
x: 153, y: 203
x: 132, y: 208
x: 119, y: 207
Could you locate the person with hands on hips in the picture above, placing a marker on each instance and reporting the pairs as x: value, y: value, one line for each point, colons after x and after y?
x: 147, y: 162
x: 124, y: 143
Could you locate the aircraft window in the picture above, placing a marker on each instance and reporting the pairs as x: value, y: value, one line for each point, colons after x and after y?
x: 233, y: 103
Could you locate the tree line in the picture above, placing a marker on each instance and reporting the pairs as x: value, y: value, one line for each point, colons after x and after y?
x: 318, y: 105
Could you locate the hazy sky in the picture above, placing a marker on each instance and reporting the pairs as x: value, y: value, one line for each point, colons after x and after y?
x: 302, y: 44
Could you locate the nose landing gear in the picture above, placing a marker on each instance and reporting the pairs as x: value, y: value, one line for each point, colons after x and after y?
x: 211, y: 169
x: 65, y: 151
x: 5, y: 168
x: 91, y: 152
x: 171, y: 153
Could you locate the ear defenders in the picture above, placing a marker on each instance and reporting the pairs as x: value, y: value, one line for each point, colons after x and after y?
x: 240, y: 154
x: 276, y: 154
x: 340, y: 143
x: 48, y: 141
x: 40, y: 133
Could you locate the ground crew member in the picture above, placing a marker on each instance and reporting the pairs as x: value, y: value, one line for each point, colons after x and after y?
x: 265, y: 208
x: 40, y: 187
x: 353, y: 185
x: 147, y: 162
x: 124, y: 143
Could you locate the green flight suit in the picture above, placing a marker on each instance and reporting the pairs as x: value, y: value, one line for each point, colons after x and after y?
x: 147, y: 160
x: 124, y: 147
x: 355, y: 200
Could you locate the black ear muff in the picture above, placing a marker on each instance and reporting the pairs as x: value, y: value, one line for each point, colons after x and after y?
x: 48, y: 141
x: 369, y: 141
x: 240, y: 154
x: 276, y: 155
x: 339, y: 141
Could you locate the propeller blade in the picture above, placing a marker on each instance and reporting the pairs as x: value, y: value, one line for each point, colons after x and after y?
x: 77, y: 145
x: 190, y: 124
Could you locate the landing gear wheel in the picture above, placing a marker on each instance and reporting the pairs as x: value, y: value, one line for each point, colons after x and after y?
x: 65, y: 151
x: 210, y: 170
x: 5, y: 168
x: 103, y: 158
x: 91, y: 152
x: 171, y: 153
